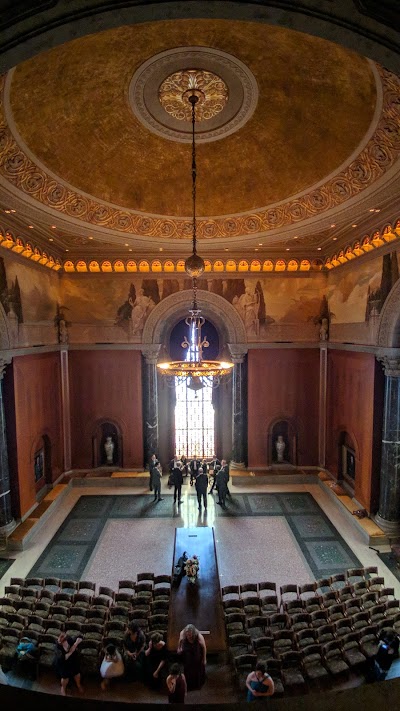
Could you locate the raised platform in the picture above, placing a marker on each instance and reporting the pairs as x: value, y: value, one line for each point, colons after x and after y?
x: 22, y: 533
x: 373, y: 535
x: 199, y: 603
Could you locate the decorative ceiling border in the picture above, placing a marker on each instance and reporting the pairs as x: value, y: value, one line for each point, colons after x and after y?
x: 359, y: 247
x: 378, y: 155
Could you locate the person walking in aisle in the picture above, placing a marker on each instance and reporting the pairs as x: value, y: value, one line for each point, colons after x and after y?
x: 153, y: 463
x: 201, y: 484
x: 157, y: 474
x: 177, y: 480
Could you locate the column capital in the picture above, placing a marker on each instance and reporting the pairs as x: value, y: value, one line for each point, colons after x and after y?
x: 237, y: 351
x: 391, y: 365
x: 151, y: 352
x: 3, y: 364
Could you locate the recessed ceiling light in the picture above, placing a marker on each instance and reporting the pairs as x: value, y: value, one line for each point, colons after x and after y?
x: 7, y: 212
x: 260, y: 244
x: 256, y: 249
x: 378, y: 209
x: 287, y: 249
x: 30, y: 227
x: 129, y: 250
x: 319, y: 249
x: 354, y: 225
x: 226, y: 249
x: 90, y: 237
x: 13, y: 211
x: 126, y: 244
x: 51, y: 239
x: 296, y: 237
x: 372, y: 209
x: 334, y: 239
x: 53, y: 227
x: 161, y: 249
x: 333, y: 225
x: 67, y: 250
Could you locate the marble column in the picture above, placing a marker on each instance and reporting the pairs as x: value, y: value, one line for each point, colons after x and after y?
x: 7, y: 523
x: 239, y: 413
x: 388, y: 516
x: 150, y: 402
x: 323, y: 373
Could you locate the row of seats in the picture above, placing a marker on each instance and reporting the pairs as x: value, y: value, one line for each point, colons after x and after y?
x: 354, y: 581
x: 42, y: 608
x: 308, y: 632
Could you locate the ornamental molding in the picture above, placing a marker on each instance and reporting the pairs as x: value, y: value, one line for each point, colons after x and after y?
x: 389, y: 323
x: 175, y: 307
x: 23, y: 172
x: 391, y: 365
x: 3, y: 364
x: 240, y: 82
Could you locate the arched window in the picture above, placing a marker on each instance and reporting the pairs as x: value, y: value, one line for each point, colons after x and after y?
x: 194, y: 410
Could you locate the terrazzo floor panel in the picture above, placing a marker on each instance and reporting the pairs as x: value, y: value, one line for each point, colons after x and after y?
x: 126, y: 547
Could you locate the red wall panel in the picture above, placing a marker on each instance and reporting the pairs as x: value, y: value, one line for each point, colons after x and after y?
x: 350, y: 408
x: 106, y: 385
x: 283, y: 383
x: 37, y: 412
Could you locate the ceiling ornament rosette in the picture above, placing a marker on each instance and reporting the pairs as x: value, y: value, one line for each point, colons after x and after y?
x: 28, y: 176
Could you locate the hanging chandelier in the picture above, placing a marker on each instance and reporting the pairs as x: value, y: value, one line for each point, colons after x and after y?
x: 197, y: 371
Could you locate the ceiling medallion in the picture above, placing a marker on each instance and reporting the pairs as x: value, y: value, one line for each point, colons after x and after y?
x: 212, y: 94
x: 157, y: 88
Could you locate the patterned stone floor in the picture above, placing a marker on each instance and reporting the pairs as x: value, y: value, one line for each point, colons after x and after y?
x: 101, y: 526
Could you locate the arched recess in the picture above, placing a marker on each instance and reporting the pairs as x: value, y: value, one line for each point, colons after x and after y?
x: 389, y: 322
x: 101, y: 430
x: 366, y: 30
x: 5, y: 341
x: 175, y: 307
x: 289, y: 430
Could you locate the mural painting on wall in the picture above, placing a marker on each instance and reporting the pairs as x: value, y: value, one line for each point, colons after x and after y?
x: 10, y: 298
x: 358, y: 295
x: 289, y: 302
x: 132, y: 314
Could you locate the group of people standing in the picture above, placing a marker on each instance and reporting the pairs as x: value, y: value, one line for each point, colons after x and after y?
x: 140, y: 659
x: 201, y: 473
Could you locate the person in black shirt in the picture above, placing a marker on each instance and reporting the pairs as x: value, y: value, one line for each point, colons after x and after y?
x: 134, y: 644
x: 201, y: 484
x: 177, y: 480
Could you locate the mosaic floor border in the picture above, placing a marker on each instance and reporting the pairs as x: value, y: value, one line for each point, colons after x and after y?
x: 70, y: 549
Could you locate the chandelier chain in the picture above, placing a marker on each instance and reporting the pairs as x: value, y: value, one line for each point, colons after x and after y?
x: 193, y: 100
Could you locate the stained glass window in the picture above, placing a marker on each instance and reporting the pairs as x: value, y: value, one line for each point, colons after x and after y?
x: 194, y: 415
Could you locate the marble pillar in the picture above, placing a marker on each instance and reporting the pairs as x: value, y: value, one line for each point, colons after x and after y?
x: 7, y: 523
x: 388, y: 516
x: 150, y: 402
x: 239, y: 409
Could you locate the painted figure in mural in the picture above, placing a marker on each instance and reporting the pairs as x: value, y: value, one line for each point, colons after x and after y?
x: 109, y: 450
x: 249, y: 303
x: 13, y: 325
x: 141, y: 308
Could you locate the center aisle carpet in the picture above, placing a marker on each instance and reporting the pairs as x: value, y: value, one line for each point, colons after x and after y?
x: 70, y: 549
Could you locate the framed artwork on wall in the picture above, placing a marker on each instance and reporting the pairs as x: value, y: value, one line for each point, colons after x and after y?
x: 348, y: 463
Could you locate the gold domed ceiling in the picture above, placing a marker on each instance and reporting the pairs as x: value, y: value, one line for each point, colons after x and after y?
x: 70, y: 107
x: 306, y: 136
